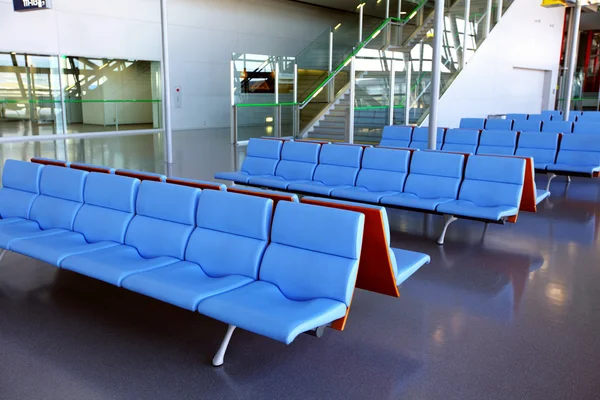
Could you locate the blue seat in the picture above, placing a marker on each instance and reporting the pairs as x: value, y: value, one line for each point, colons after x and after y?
x: 307, y: 274
x: 434, y: 179
x: 527, y: 126
x: 53, y: 211
x: 491, y: 189
x: 224, y: 252
x: 539, y: 118
x: 92, y: 167
x: 383, y: 173
x: 516, y: 117
x: 541, y: 195
x: 589, y: 116
x: 298, y: 163
x: 109, y: 206
x: 578, y: 154
x: 141, y: 175
x: 157, y: 235
x: 196, y: 183
x: 461, y: 140
x: 552, y: 115
x: 587, y: 128
x: 497, y: 142
x: 20, y: 188
x: 420, y: 138
x: 472, y: 123
x: 396, y: 136
x: 542, y: 148
x: 261, y: 159
x: 499, y: 124
x: 337, y: 169
x: 557, y: 127
x: 574, y: 117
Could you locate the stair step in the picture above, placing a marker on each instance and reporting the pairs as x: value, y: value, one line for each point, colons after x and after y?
x: 325, y: 130
x: 331, y: 124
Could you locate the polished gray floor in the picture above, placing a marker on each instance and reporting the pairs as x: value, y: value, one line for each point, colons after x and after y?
x: 509, y: 314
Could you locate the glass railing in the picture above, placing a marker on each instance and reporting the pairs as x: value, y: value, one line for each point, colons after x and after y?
x: 258, y: 120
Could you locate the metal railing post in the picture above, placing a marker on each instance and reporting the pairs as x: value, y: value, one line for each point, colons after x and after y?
x: 436, y: 72
x: 488, y: 18
x: 576, y: 14
x: 407, y: 101
x: 350, y: 131
x: 463, y: 60
x: 392, y: 90
x: 360, y: 22
x: 330, y: 87
x: 499, y: 11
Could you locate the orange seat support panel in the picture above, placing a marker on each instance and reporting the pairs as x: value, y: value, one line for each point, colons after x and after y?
x: 276, y: 197
x: 139, y: 175
x: 90, y: 168
x: 199, y: 185
x: 44, y: 161
x: 375, y: 271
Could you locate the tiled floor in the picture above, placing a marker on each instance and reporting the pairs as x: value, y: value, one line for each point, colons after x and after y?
x: 512, y: 314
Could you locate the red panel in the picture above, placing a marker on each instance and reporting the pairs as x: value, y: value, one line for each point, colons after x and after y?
x: 48, y: 162
x: 139, y: 175
x: 198, y: 185
x: 91, y: 168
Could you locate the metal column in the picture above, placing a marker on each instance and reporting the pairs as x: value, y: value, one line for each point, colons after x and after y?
x: 296, y: 110
x: 572, y: 60
x: 164, y: 22
x: 488, y: 18
x: 436, y: 72
x: 463, y: 59
x: 350, y: 133
x: 330, y: 87
x: 360, y: 22
x: 408, y: 99
x: 499, y: 11
x: 277, y: 107
x: 387, y: 9
x: 563, y: 86
x: 392, y: 90
x: 62, y: 96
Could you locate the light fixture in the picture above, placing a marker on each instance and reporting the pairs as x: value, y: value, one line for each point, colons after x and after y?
x: 318, y: 91
x: 269, y: 119
x: 376, y: 34
x: 402, y: 12
x: 360, y: 5
x: 337, y: 26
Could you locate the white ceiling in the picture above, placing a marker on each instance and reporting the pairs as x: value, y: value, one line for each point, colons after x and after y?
x: 372, y: 7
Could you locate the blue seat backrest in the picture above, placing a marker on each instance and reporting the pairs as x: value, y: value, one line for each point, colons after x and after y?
x: 338, y: 165
x: 527, y: 126
x: 20, y: 187
x: 587, y: 128
x: 553, y: 114
x: 396, y: 136
x: 516, y: 117
x: 499, y: 124
x: 298, y: 160
x: 472, y: 123
x: 109, y: 206
x: 232, y: 233
x: 314, y: 252
x: 164, y: 220
x: 581, y: 149
x: 589, y: 116
x: 461, y: 140
x: 542, y: 148
x: 61, y: 197
x: 435, y: 175
x: 493, y: 181
x: 262, y: 156
x: 539, y: 117
x: 497, y: 142
x: 557, y: 126
x: 420, y: 138
x: 383, y: 169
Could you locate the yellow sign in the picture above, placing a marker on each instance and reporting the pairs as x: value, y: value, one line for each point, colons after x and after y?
x: 553, y: 3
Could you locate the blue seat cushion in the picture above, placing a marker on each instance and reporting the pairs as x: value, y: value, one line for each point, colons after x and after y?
x: 277, y: 182
x: 584, y: 169
x: 315, y: 187
x: 183, y: 284
x: 361, y: 194
x: 466, y: 208
x: 25, y: 229
x: 260, y: 307
x: 55, y: 248
x: 541, y: 195
x: 407, y: 262
x: 410, y: 200
x: 114, y: 264
x: 237, y: 176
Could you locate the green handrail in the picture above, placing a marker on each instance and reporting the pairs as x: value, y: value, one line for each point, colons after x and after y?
x: 75, y: 101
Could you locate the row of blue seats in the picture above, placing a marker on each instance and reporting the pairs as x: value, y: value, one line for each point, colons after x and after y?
x: 225, y: 255
x: 558, y: 126
x: 488, y: 188
x: 562, y: 154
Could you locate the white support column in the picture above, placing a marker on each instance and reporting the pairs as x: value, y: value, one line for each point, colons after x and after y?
x: 277, y: 109
x: 392, y: 85
x: 387, y: 9
x: 488, y: 18
x: 499, y: 11
x: 438, y: 27
x: 408, y: 100
x: 63, y: 112
x: 164, y: 22
x: 360, y: 22
x: 350, y: 133
x: 572, y: 60
x: 399, y: 16
x: 463, y: 59
x: 232, y: 120
x: 563, y: 82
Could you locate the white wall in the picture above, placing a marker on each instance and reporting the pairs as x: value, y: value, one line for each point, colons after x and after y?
x: 505, y: 74
x: 202, y: 36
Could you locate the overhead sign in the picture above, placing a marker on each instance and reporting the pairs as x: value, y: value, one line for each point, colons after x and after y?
x: 28, y: 5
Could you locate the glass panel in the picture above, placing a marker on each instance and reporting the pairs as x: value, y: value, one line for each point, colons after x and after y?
x: 259, y: 121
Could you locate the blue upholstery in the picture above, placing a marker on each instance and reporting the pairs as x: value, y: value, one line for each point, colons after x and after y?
x: 420, y: 138
x: 578, y: 153
x: 499, y: 124
x: 587, y: 127
x: 590, y: 116
x: 527, y: 126
x: 298, y: 163
x: 337, y: 169
x: 408, y: 262
x: 396, y: 136
x: 261, y: 159
x: 557, y: 126
x: 293, y: 196
x: 497, y: 142
x: 198, y: 183
x: 222, y: 254
x: 551, y: 114
x: 491, y: 190
x: 461, y: 140
x: 307, y: 275
x: 539, y: 118
x: 20, y: 187
x: 540, y: 195
x: 100, y: 223
x: 141, y: 174
x: 472, y: 123
x: 434, y: 179
x: 85, y: 166
x: 516, y: 117
x: 573, y: 117
x: 542, y: 148
x: 157, y: 235
x: 383, y: 173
